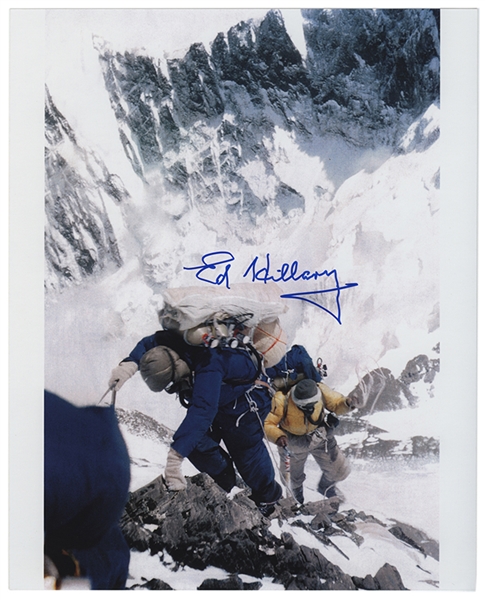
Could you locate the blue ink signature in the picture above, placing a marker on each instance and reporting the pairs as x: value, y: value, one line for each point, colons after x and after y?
x: 291, y: 273
x: 220, y: 258
x: 215, y: 261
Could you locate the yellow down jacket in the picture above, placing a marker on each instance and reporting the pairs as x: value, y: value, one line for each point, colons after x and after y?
x: 277, y: 423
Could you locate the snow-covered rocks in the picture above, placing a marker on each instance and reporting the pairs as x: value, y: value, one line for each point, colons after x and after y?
x: 318, y: 546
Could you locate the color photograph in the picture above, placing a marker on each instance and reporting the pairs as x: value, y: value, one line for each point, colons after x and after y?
x: 243, y: 281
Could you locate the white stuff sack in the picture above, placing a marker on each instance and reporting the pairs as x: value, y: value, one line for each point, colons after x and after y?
x: 188, y: 307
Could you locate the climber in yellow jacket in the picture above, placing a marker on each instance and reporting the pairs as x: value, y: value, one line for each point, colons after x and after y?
x: 302, y: 421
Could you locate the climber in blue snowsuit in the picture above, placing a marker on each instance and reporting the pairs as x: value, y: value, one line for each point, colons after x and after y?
x: 238, y: 424
x: 234, y: 413
x: 86, y: 484
x: 295, y: 364
x: 225, y: 405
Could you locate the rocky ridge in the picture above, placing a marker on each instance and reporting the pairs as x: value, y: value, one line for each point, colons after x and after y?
x: 142, y: 425
x: 386, y: 393
x: 201, y: 526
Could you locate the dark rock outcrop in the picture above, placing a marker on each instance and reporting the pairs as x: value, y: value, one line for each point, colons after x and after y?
x: 153, y: 584
x: 201, y: 527
x: 387, y: 578
x: 416, y: 539
x: 233, y: 582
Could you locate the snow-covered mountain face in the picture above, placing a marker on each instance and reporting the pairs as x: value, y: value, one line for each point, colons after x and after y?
x: 259, y: 153
x: 251, y: 149
x: 79, y: 236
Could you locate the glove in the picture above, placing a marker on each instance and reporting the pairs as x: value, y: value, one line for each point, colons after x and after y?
x: 282, y: 441
x: 173, y: 471
x: 332, y: 421
x: 355, y: 402
x: 121, y: 374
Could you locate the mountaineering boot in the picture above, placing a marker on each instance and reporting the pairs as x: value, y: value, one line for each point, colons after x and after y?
x: 271, y: 494
x: 298, y: 494
x: 328, y: 489
x: 266, y: 508
x: 227, y: 479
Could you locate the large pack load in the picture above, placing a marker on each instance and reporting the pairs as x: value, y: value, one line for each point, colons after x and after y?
x: 247, y: 313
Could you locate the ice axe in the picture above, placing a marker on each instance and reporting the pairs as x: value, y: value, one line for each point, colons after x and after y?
x: 287, y: 465
x: 287, y: 479
x: 113, y: 395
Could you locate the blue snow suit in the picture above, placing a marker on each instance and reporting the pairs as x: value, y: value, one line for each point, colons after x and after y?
x: 220, y: 376
x: 296, y: 361
x: 239, y: 425
x: 220, y: 379
x: 86, y: 483
x: 222, y: 407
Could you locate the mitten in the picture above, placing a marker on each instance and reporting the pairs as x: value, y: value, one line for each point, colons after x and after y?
x: 355, y: 401
x: 282, y: 441
x: 121, y: 374
x: 173, y: 471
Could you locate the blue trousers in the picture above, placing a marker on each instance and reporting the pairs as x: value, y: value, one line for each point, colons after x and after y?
x: 209, y: 457
x: 240, y: 427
